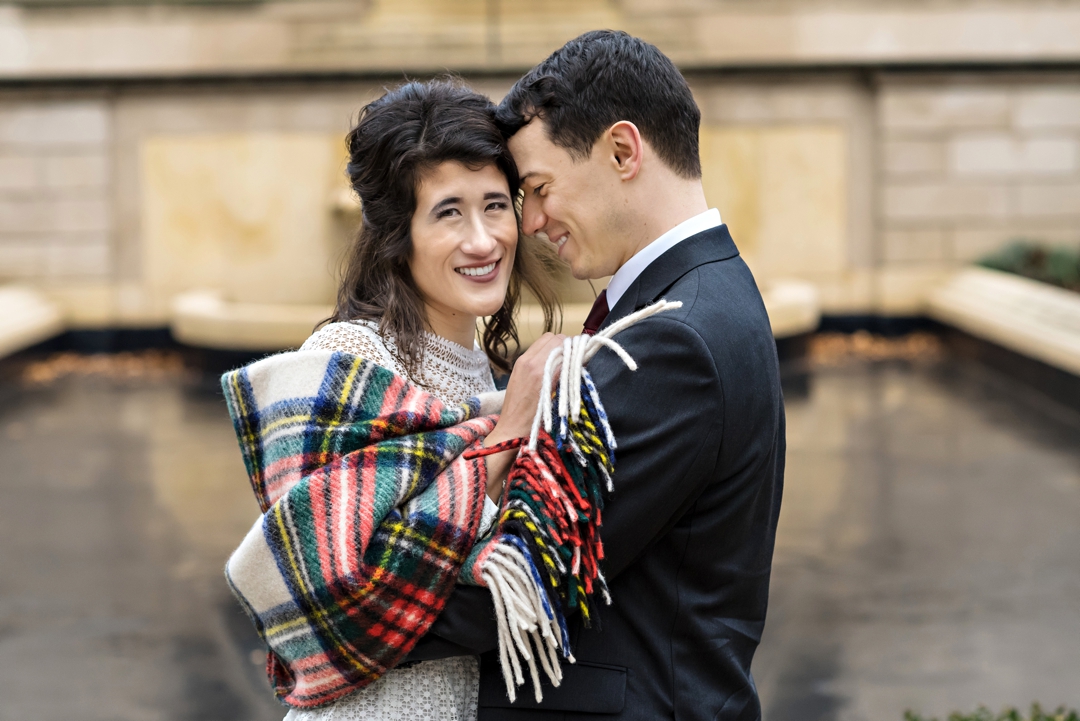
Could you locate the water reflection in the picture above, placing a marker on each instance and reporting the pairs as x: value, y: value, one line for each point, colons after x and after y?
x: 121, y: 504
x: 927, y: 556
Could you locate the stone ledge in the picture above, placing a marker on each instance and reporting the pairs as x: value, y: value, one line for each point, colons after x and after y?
x: 793, y: 307
x: 506, y: 36
x: 204, y: 318
x: 1031, y: 318
x: 26, y: 318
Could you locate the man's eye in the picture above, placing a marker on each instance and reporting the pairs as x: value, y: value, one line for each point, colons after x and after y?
x: 536, y: 190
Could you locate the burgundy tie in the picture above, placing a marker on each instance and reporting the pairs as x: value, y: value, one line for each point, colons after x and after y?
x: 597, y: 314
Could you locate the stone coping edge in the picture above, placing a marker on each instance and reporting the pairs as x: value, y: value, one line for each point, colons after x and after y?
x: 205, y: 318
x: 26, y: 319
x: 1022, y: 315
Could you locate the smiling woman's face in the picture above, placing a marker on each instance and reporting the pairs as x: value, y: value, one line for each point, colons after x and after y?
x: 464, y: 234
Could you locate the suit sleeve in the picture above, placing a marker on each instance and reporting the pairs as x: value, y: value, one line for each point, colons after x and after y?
x: 667, y: 417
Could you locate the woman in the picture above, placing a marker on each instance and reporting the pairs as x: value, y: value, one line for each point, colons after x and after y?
x: 438, y: 248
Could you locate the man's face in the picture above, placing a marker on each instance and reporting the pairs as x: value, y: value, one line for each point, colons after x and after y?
x: 574, y: 202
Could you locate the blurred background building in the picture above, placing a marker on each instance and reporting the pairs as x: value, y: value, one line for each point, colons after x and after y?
x: 174, y: 171
x: 870, y: 148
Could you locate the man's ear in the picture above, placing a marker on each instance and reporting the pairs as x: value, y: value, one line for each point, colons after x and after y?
x: 626, y: 149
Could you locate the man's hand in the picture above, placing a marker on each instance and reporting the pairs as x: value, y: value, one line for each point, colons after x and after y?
x: 519, y: 408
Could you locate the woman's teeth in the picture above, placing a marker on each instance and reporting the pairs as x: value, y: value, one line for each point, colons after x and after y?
x: 482, y: 270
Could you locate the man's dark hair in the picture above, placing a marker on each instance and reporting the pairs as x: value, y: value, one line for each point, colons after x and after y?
x: 598, y: 79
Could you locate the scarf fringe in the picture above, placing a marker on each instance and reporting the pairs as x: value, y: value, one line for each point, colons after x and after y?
x: 545, y: 561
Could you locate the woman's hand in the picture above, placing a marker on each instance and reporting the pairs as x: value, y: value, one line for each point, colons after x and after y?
x: 519, y: 408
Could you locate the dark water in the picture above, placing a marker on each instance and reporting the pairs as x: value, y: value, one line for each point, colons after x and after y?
x: 118, y: 507
x: 928, y: 557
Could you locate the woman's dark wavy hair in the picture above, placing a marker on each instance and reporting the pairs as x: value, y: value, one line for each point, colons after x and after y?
x: 399, y: 137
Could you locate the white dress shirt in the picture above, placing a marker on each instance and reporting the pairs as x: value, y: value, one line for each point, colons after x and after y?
x: 625, y: 276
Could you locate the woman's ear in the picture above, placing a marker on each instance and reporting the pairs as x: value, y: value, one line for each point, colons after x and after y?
x: 626, y: 149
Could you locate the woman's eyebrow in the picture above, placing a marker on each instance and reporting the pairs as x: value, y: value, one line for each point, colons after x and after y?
x: 496, y: 196
x: 444, y: 203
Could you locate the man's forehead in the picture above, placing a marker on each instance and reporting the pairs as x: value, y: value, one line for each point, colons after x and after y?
x: 533, y: 151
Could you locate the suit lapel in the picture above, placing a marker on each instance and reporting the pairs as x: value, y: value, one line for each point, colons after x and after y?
x: 706, y: 247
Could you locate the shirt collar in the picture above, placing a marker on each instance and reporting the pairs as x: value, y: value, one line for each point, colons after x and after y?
x: 626, y: 275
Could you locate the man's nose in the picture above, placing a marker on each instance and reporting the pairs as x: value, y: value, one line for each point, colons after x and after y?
x: 533, y: 219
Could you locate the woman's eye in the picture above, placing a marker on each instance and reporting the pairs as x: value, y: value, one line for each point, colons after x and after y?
x: 448, y: 212
x: 497, y: 205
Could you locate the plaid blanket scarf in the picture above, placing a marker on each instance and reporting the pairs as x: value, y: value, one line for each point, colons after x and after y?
x: 372, y: 492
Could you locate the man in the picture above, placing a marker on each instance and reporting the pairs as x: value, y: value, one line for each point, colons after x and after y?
x: 605, y: 135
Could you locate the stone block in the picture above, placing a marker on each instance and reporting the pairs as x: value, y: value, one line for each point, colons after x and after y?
x: 1050, y: 200
x: 239, y: 212
x: 930, y: 109
x: 1004, y: 154
x: 904, y: 290
x: 21, y: 260
x: 783, y: 193
x: 84, y: 215
x: 76, y: 171
x: 913, y: 157
x: 1048, y: 108
x: 847, y: 293
x: 89, y: 303
x: 914, y: 245
x: 18, y: 172
x: 54, y: 124
x: 971, y: 244
x: 933, y: 201
x: 54, y: 215
x: 22, y: 216
x: 67, y: 260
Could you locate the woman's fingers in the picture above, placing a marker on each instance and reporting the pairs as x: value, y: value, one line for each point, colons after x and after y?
x: 523, y: 388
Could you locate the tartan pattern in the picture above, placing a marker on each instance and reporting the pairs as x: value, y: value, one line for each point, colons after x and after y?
x: 370, y: 510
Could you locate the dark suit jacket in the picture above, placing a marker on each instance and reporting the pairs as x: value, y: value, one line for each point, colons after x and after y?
x: 688, y: 532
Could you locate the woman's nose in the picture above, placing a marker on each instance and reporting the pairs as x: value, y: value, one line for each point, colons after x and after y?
x: 533, y: 219
x: 480, y: 240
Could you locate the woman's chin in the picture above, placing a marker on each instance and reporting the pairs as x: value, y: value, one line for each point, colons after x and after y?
x: 483, y: 304
x: 488, y: 309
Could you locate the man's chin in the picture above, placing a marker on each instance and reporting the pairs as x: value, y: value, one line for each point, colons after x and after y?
x: 580, y: 270
x: 586, y: 273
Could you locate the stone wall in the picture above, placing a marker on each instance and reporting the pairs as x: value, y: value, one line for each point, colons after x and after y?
x: 968, y: 162
x: 148, y: 39
x: 55, y: 188
x: 874, y: 188
x: 788, y: 160
x: 113, y: 201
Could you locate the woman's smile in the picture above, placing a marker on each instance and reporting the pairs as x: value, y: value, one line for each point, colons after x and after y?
x: 480, y: 273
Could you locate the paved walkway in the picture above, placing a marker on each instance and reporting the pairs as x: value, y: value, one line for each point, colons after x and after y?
x: 929, y: 553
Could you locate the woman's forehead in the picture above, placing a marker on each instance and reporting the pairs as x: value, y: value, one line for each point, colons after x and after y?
x: 453, y: 175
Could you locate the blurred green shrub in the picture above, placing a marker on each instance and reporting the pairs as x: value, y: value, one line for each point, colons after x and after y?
x: 1056, y: 266
x: 1010, y: 714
